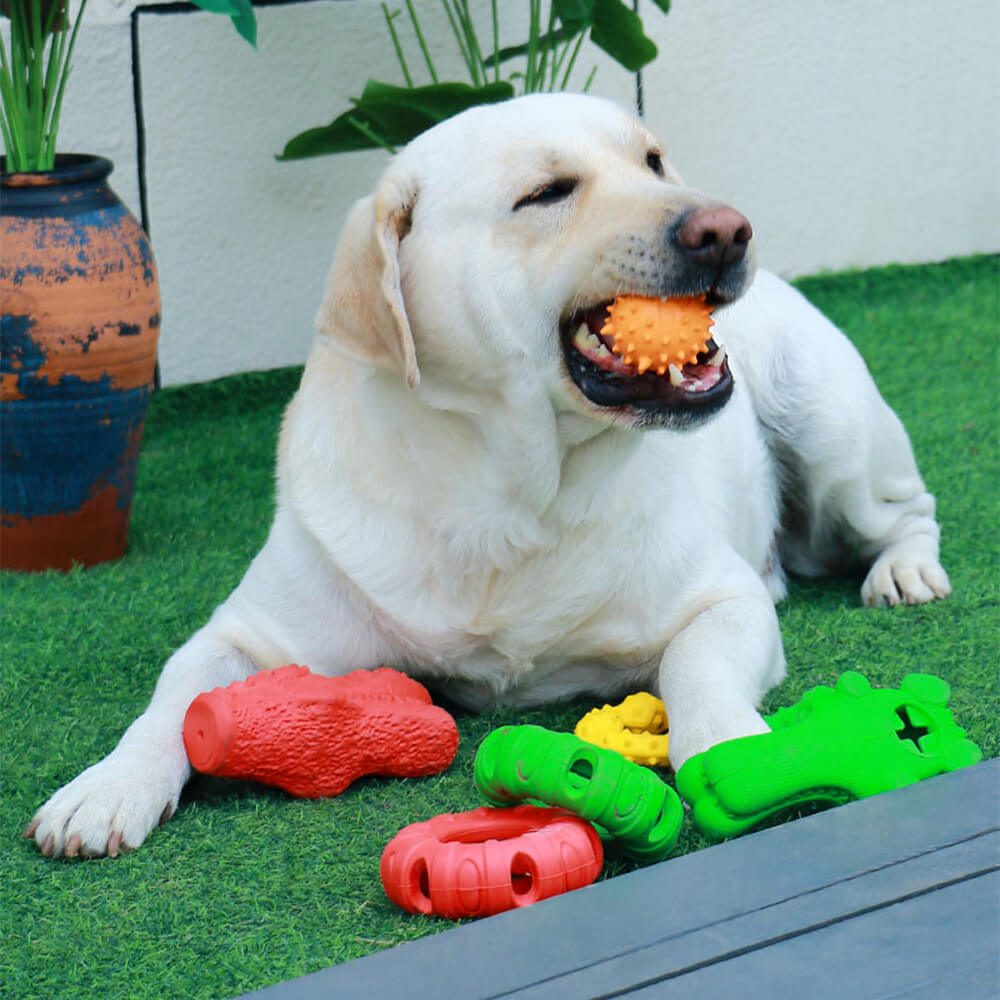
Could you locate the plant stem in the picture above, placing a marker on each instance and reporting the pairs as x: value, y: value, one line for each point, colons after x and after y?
x: 33, y: 79
x: 495, y: 6
x: 64, y: 75
x: 421, y: 41
x: 389, y: 18
x: 533, y: 23
x: 372, y: 135
x: 548, y: 45
x: 460, y: 39
x: 572, y: 60
x: 469, y: 26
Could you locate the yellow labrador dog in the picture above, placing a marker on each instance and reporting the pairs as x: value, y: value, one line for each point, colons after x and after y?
x: 473, y: 488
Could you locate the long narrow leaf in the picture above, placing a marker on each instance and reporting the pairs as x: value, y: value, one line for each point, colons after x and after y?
x: 495, y: 10
x: 561, y: 34
x: 472, y: 39
x: 8, y: 125
x: 421, y: 42
x: 534, y: 21
x: 546, y: 52
x: 572, y: 60
x: 67, y: 66
x: 400, y: 58
x: 462, y: 47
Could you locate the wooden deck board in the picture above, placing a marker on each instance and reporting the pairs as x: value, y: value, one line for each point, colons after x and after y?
x: 893, y: 896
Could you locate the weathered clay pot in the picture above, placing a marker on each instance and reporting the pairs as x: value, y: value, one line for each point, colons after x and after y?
x: 81, y: 317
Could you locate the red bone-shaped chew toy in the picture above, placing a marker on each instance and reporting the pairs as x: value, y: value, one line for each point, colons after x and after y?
x: 314, y: 735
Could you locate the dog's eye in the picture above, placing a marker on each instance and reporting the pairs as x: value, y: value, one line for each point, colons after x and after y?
x: 552, y: 192
x: 655, y: 163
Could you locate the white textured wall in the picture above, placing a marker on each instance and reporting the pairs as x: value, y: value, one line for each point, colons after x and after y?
x: 851, y: 133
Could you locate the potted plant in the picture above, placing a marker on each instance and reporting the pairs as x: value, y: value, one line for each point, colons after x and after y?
x: 388, y: 116
x: 81, y: 313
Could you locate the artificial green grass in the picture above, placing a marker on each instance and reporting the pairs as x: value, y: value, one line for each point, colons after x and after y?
x: 247, y: 886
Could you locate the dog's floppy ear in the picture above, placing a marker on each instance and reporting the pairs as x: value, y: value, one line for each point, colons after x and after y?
x: 363, y: 311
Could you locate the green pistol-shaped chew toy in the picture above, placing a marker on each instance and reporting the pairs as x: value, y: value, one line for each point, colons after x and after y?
x: 835, y: 745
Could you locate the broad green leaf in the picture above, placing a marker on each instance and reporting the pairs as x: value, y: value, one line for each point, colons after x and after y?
x: 664, y: 5
x: 618, y: 30
x: 394, y: 115
x: 574, y: 14
x: 241, y: 12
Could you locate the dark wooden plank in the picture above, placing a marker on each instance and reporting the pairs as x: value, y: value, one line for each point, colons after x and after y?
x: 793, y: 924
x: 735, y: 902
x: 929, y: 944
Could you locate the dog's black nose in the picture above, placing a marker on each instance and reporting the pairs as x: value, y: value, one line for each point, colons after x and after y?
x: 715, y: 236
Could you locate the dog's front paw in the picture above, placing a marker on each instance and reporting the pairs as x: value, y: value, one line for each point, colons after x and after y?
x: 905, y: 573
x: 109, y: 808
x: 698, y: 734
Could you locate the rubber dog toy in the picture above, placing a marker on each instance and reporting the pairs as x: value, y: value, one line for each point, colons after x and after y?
x: 834, y: 745
x: 314, y: 735
x: 638, y: 811
x: 636, y: 728
x: 657, y: 333
x: 477, y: 863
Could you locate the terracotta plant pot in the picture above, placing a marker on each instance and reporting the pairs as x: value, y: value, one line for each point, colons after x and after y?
x: 81, y: 318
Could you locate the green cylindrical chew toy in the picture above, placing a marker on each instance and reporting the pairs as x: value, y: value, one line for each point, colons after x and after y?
x: 638, y: 811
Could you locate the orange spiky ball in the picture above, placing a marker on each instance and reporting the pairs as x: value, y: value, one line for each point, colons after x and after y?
x: 657, y: 333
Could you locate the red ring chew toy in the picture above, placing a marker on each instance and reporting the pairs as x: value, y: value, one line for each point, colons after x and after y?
x: 487, y: 860
x: 314, y: 735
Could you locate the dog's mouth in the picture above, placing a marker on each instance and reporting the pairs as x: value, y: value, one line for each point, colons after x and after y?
x: 699, y: 387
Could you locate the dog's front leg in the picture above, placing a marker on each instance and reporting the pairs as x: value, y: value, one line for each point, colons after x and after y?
x: 114, y: 804
x: 717, y: 668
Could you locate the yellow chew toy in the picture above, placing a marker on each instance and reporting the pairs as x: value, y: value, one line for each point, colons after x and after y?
x: 637, y: 729
x: 653, y: 333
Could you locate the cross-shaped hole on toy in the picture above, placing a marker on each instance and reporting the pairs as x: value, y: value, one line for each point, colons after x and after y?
x: 910, y: 731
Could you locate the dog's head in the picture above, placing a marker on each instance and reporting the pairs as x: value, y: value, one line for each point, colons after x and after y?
x: 495, y: 242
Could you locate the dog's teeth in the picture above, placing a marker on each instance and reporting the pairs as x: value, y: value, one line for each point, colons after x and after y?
x: 715, y: 361
x: 676, y: 377
x: 588, y: 342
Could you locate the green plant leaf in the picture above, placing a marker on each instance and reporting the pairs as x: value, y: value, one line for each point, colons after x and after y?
x: 52, y: 12
x: 241, y: 12
x: 574, y: 14
x: 618, y: 30
x: 547, y: 40
x: 389, y: 116
x: 664, y: 5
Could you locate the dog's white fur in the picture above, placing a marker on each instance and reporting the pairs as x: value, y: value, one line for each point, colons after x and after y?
x: 450, y: 504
